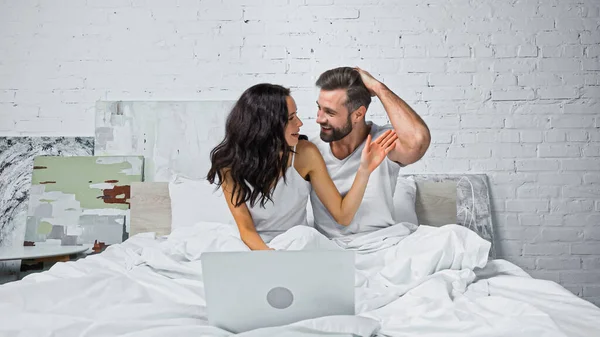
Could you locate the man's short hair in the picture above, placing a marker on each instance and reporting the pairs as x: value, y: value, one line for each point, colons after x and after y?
x: 346, y: 78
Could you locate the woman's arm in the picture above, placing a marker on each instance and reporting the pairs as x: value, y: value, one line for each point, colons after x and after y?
x: 242, y: 218
x: 344, y: 208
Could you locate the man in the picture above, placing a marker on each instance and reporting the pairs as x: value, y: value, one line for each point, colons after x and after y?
x: 344, y: 97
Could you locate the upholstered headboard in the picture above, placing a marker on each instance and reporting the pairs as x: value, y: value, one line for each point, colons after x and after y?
x: 440, y: 199
x: 150, y: 206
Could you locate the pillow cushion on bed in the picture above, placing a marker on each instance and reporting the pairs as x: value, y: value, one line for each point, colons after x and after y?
x: 193, y: 201
x: 404, y: 200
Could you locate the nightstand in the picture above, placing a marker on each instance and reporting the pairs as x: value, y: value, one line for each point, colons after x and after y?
x: 41, y: 257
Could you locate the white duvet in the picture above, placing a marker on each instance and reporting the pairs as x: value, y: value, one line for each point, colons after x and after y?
x: 425, y: 281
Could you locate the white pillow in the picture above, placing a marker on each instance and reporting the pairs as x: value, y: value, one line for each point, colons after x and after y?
x: 193, y: 201
x: 405, y: 197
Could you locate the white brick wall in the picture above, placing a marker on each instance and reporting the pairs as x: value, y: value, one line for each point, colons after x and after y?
x: 511, y: 89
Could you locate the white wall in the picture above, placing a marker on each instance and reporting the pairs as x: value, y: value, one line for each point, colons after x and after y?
x: 511, y: 90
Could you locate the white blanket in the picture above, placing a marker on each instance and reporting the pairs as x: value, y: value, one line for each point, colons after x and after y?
x: 410, y: 281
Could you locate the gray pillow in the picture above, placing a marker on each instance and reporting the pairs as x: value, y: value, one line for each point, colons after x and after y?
x: 435, y: 201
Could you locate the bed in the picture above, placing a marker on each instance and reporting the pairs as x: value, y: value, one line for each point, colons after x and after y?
x: 440, y: 278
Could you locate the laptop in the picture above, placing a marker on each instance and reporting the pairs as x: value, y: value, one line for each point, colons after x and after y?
x: 250, y: 290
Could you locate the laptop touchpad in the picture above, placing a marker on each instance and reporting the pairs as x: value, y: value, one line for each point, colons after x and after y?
x: 280, y: 298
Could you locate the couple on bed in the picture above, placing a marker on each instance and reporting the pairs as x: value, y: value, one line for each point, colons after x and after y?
x: 267, y: 171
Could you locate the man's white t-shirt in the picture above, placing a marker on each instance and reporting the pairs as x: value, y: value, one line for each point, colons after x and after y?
x: 376, y: 210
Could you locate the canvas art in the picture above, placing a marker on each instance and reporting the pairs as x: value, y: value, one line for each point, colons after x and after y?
x: 16, y: 166
x: 174, y: 137
x: 78, y: 200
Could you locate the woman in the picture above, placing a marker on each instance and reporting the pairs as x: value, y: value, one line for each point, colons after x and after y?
x: 265, y: 170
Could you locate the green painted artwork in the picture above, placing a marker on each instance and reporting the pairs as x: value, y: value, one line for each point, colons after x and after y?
x: 78, y: 200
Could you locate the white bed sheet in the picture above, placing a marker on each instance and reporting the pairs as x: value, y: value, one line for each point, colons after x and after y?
x: 424, y: 281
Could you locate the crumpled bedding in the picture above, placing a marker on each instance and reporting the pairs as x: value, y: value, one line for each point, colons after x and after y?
x: 410, y: 280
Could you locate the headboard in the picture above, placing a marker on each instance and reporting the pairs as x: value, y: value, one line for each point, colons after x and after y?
x: 440, y: 199
x: 150, y: 206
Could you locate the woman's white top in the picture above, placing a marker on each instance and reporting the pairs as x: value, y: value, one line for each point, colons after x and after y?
x: 288, y: 208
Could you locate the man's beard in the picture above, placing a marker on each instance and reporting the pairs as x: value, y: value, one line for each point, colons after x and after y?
x: 336, y: 133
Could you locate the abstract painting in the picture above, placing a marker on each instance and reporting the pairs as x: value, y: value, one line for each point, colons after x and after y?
x: 78, y: 200
x: 16, y: 165
x: 174, y: 137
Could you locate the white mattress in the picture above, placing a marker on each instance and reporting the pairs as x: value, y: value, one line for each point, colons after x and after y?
x: 428, y: 282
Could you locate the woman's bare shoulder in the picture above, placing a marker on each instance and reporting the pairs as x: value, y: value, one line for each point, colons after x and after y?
x: 307, y: 157
x: 306, y: 148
